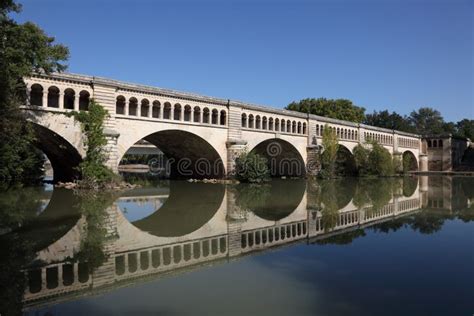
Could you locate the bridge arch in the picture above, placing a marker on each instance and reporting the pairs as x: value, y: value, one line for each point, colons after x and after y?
x: 345, y: 162
x: 189, y: 153
x: 64, y: 157
x: 409, y: 160
x: 283, y: 157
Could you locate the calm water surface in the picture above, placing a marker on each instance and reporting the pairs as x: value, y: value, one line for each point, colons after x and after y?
x: 291, y: 247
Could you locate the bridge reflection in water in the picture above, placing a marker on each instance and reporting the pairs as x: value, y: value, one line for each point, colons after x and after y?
x: 194, y: 225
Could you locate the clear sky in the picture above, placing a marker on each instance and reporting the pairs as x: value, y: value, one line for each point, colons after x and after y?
x: 386, y: 54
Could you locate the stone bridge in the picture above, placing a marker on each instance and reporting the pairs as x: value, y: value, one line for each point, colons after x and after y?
x: 201, y: 135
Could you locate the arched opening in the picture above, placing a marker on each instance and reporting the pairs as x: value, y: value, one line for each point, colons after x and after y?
x: 64, y: 158
x: 282, y: 157
x: 197, y: 114
x: 293, y: 130
x: 288, y: 126
x: 144, y: 108
x: 264, y: 123
x: 205, y: 116
x: 53, y: 97
x: 277, y: 125
x: 283, y: 125
x: 270, y: 124
x: 299, y: 127
x: 120, y: 105
x: 84, y: 100
x: 304, y: 128
x: 177, y: 112
x: 155, y: 110
x: 188, y: 207
x: 409, y: 161
x: 36, y: 95
x: 258, y: 122
x: 167, y: 111
x: 251, y: 121
x: 345, y: 162
x: 187, y: 155
x: 133, y: 106
x: 244, y: 120
x: 223, y: 118
x: 69, y: 96
x: 187, y: 113
x: 215, y: 117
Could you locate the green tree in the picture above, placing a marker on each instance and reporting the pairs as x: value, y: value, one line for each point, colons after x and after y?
x: 328, y: 157
x: 341, y: 109
x: 251, y: 167
x: 393, y: 120
x: 24, y: 48
x: 94, y: 172
x: 427, y: 121
x: 361, y: 157
x: 380, y: 161
x: 465, y: 128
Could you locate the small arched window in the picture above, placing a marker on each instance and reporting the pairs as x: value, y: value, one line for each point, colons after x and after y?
x: 277, y: 125
x: 133, y: 106
x: 205, y: 116
x: 84, y: 97
x: 155, y: 109
x: 53, y: 97
x: 144, y: 108
x: 36, y: 95
x: 120, y: 105
x: 187, y: 113
x: 244, y: 120
x: 270, y: 124
x: 197, y: 114
x: 258, y: 122
x: 177, y: 112
x: 251, y: 121
x: 223, y: 118
x: 69, y: 96
x: 167, y: 111
x: 215, y: 117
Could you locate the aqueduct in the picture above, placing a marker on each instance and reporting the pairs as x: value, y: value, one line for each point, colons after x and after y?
x: 201, y: 134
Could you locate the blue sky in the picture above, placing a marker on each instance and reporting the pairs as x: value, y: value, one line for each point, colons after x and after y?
x: 388, y: 54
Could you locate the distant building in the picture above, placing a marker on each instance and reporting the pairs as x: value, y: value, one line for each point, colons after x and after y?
x: 448, y: 153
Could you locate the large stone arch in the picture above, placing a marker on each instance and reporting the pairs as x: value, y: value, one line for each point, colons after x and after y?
x: 414, y: 161
x: 64, y: 157
x: 345, y: 162
x: 193, y: 151
x: 284, y: 159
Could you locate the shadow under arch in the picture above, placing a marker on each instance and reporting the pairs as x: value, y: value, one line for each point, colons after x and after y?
x: 409, y: 161
x: 64, y: 157
x: 345, y: 161
x: 273, y: 201
x: 189, y: 155
x: 188, y: 207
x: 283, y: 158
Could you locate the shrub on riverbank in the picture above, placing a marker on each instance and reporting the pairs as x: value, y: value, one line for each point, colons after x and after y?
x: 374, y: 160
x: 94, y: 172
x: 328, y: 157
x: 251, y: 167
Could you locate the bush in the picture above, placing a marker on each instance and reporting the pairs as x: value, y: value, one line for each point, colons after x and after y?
x: 251, y: 167
x: 94, y: 172
x: 328, y: 157
x: 380, y: 161
x: 361, y: 157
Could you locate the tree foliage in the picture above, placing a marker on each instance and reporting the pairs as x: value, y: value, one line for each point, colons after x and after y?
x: 24, y: 48
x: 251, y: 167
x: 328, y: 157
x: 342, y: 109
x: 388, y: 120
x: 93, y: 169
